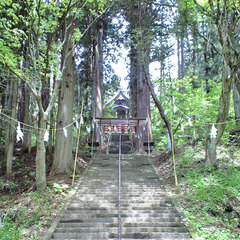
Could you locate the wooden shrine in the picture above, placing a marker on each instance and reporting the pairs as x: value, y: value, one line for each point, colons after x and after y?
x: 122, y: 124
x: 120, y: 104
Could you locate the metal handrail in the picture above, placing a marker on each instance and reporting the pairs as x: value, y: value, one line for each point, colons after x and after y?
x: 119, y: 188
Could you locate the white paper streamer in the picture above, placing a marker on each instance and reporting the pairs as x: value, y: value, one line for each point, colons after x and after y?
x: 46, y: 136
x: 213, y: 133
x: 88, y: 129
x: 182, y: 127
x: 65, y: 132
x: 77, y: 124
x: 190, y: 122
x: 174, y: 108
x: 19, y: 133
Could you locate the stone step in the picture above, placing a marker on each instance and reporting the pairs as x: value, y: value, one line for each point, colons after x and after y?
x: 115, y: 224
x: 88, y: 220
x: 128, y: 215
x: 127, y: 219
x: 133, y: 199
x: 115, y: 138
x: 125, y: 230
x: 147, y: 211
x: 107, y: 235
x: 81, y: 210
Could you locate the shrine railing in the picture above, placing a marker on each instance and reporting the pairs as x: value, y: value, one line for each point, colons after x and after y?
x: 119, y: 125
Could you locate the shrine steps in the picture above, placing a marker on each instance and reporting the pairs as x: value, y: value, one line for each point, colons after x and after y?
x: 147, y: 211
x: 126, y: 143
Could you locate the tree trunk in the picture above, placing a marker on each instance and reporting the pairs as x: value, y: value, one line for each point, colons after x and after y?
x: 51, y: 133
x: 98, y: 76
x: 7, y: 107
x: 12, y: 127
x: 161, y: 111
x: 182, y: 59
x: 98, y: 68
x: 27, y: 140
x: 3, y: 91
x: 63, y: 145
x: 178, y: 58
x: 226, y: 26
x: 41, y: 180
x: 143, y: 103
x: 133, y: 80
x: 224, y: 103
x: 236, y: 102
x: 140, y: 21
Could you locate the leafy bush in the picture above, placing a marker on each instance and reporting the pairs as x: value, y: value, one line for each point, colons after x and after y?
x: 10, y: 230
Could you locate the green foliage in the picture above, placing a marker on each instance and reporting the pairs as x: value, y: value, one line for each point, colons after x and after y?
x: 10, y: 230
x: 33, y: 212
x: 206, y: 195
x: 59, y: 188
x: 190, y: 110
x: 8, y: 185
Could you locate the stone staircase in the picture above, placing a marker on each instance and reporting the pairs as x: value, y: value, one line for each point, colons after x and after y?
x: 125, y: 143
x: 147, y: 211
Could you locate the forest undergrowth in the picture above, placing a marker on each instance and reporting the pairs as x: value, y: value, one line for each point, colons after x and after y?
x: 210, y: 199
x: 26, y: 213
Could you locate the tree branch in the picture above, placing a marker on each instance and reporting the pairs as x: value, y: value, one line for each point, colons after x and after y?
x: 35, y: 95
x: 161, y: 111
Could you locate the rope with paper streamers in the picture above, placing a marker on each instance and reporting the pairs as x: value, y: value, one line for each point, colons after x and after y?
x: 76, y: 121
x: 37, y: 128
x: 20, y: 133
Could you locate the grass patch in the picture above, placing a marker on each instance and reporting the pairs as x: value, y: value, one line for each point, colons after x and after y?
x: 209, y: 199
x: 29, y: 216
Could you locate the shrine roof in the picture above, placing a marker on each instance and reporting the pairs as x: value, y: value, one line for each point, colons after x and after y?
x: 119, y: 96
x: 121, y: 106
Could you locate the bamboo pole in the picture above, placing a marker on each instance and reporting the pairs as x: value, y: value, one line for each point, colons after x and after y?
x: 92, y: 138
x: 174, y: 161
x: 148, y: 129
x: 78, y: 137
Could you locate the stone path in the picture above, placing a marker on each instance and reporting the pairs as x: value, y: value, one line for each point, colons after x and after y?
x: 147, y: 211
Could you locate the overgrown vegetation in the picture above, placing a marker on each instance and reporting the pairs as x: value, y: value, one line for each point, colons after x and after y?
x: 25, y: 212
x: 209, y: 199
